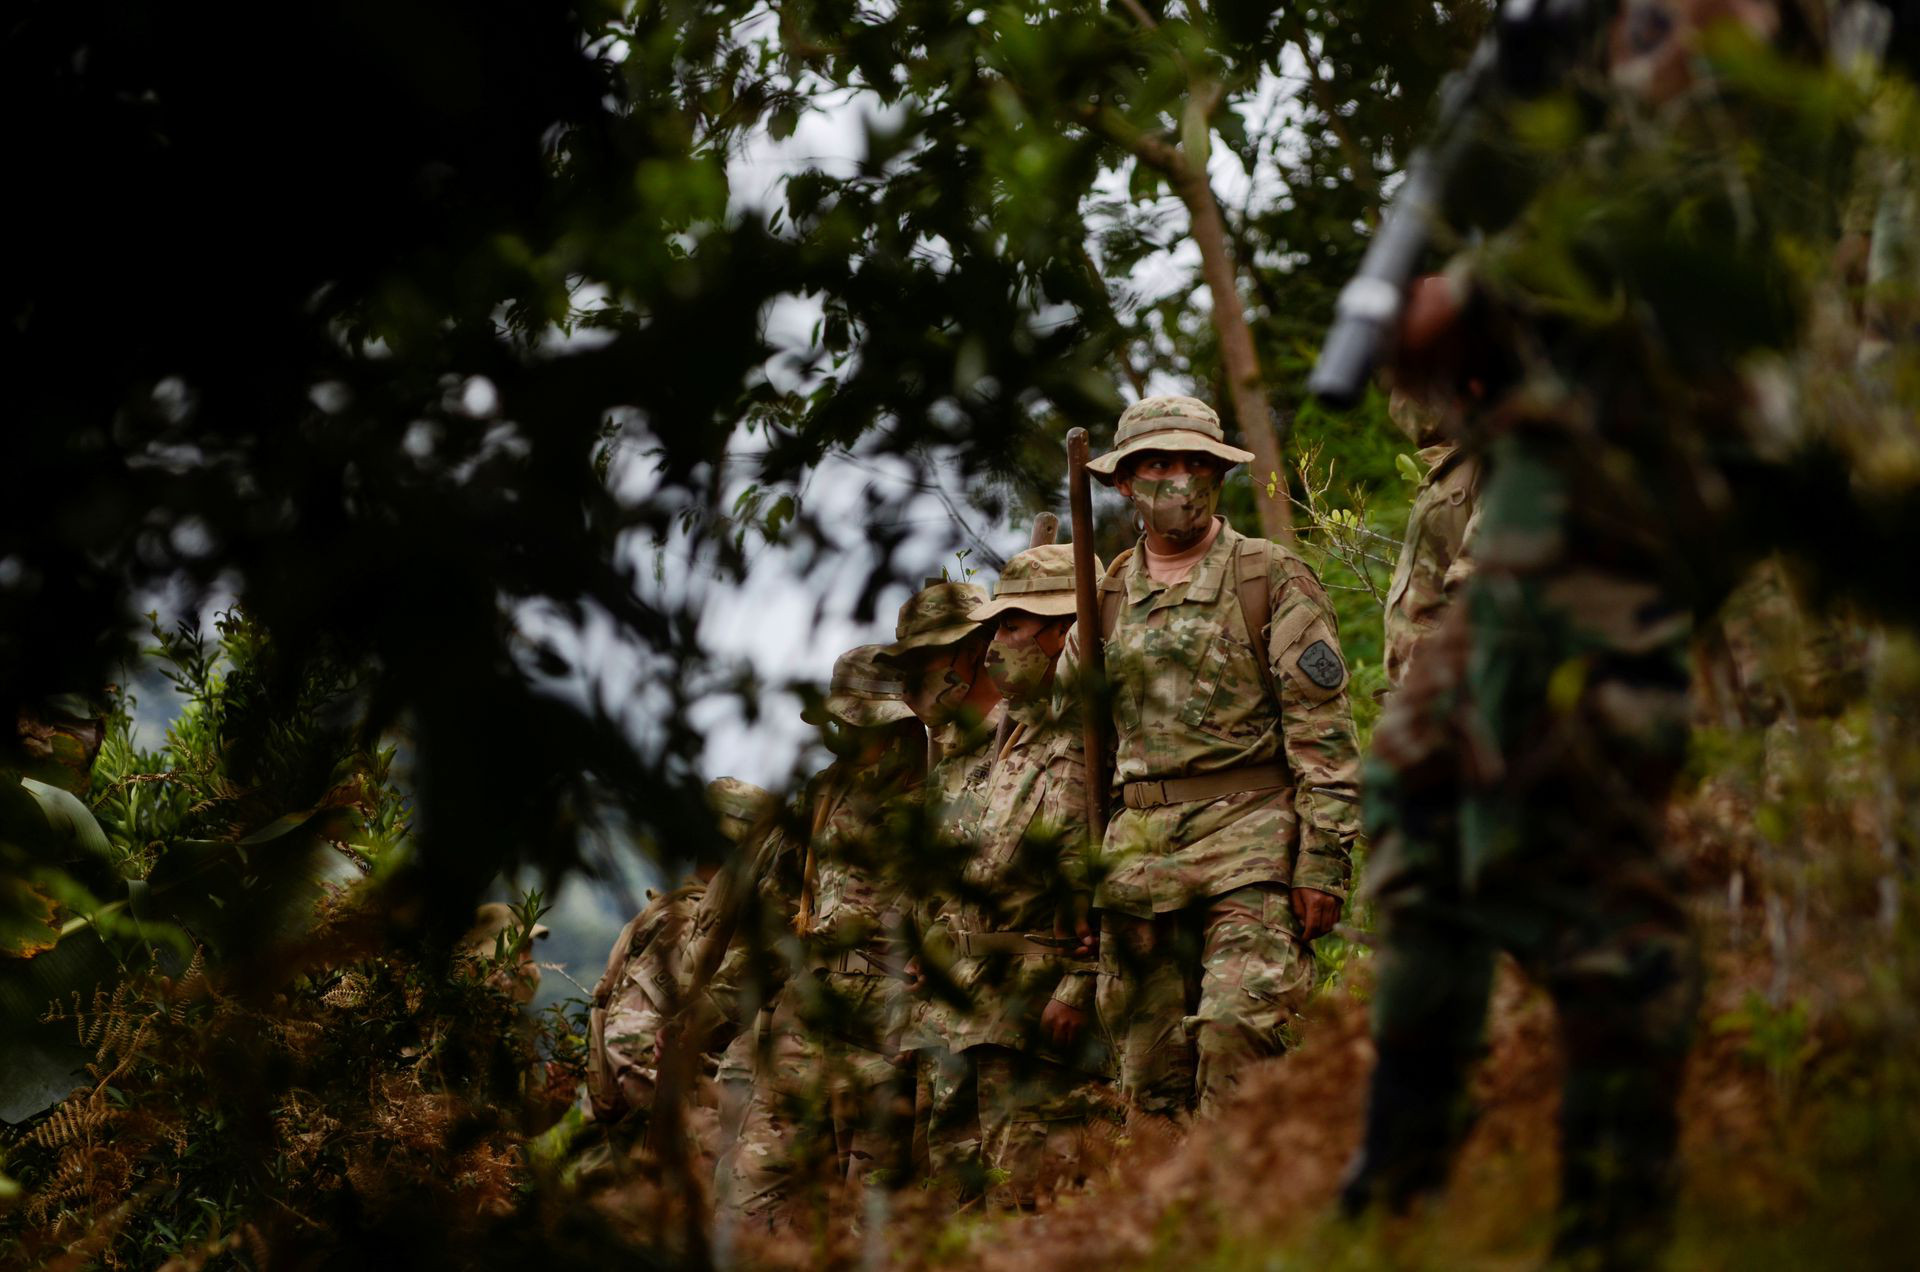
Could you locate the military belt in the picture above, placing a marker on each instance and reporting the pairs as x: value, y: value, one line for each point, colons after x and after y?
x: 1190, y: 790
x: 982, y: 944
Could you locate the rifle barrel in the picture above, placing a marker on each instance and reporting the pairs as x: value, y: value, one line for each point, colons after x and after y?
x: 1368, y: 312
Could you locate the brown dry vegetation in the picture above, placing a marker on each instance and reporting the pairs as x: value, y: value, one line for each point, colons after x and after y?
x: 1771, y: 1081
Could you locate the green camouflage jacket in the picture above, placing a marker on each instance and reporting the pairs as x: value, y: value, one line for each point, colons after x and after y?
x: 1189, y: 699
x: 1433, y: 562
x: 1028, y: 862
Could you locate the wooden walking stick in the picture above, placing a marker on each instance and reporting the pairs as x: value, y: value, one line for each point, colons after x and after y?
x: 1093, y: 651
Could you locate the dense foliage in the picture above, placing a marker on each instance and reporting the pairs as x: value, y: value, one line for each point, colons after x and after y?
x: 419, y: 349
x: 422, y: 331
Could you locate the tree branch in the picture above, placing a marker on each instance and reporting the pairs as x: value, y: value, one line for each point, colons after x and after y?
x: 1246, y: 387
x: 1358, y: 164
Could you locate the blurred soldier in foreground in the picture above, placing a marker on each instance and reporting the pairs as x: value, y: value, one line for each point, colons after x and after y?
x: 1237, y: 763
x: 940, y: 651
x: 1014, y: 942
x: 648, y: 979
x: 1433, y: 563
x: 831, y: 1099
x: 1517, y: 782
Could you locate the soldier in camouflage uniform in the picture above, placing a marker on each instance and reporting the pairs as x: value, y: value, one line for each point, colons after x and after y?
x: 1433, y: 562
x: 940, y: 653
x: 1517, y: 781
x: 940, y: 650
x: 648, y: 977
x: 1014, y: 943
x: 1237, y: 766
x: 831, y: 1099
x: 756, y: 921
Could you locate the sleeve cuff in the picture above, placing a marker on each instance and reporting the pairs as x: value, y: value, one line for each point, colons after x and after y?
x: 1075, y: 990
x: 1322, y: 871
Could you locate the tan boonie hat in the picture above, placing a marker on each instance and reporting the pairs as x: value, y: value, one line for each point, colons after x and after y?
x: 738, y: 804
x: 864, y: 691
x: 936, y: 615
x: 1169, y: 423
x: 1037, y: 581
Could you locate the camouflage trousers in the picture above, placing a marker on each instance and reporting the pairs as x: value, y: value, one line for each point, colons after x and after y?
x: 823, y: 1113
x: 1514, y: 794
x: 947, y: 1121
x: 1193, y: 997
x: 1015, y: 1123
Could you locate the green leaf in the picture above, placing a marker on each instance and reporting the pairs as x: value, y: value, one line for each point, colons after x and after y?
x: 67, y: 816
x: 1409, y: 468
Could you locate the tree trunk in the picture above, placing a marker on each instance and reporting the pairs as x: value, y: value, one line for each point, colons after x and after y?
x: 1246, y: 387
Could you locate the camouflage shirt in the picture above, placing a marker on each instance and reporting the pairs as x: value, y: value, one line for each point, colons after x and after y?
x: 857, y: 900
x: 956, y: 791
x: 1027, y: 865
x: 1189, y: 699
x: 957, y: 784
x: 858, y: 912
x: 1433, y: 562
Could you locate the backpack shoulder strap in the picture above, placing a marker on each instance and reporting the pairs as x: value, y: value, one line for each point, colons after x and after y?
x: 1113, y: 587
x: 1252, y: 568
x: 617, y: 960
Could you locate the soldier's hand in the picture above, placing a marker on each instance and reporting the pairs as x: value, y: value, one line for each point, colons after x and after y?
x: 1061, y: 1022
x: 915, y: 977
x: 1317, y: 911
x: 1085, y: 938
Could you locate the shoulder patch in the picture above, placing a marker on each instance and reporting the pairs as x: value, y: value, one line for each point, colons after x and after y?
x: 1322, y: 665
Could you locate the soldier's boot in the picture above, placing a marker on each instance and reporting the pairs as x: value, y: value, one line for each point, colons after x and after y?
x: 1416, y: 1116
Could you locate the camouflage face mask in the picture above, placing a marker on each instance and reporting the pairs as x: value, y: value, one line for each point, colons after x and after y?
x: 1178, y: 509
x: 1021, y: 670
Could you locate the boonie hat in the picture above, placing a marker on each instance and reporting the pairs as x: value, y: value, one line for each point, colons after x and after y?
x: 1037, y: 581
x: 863, y: 692
x: 738, y: 804
x: 936, y: 615
x: 1172, y: 422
